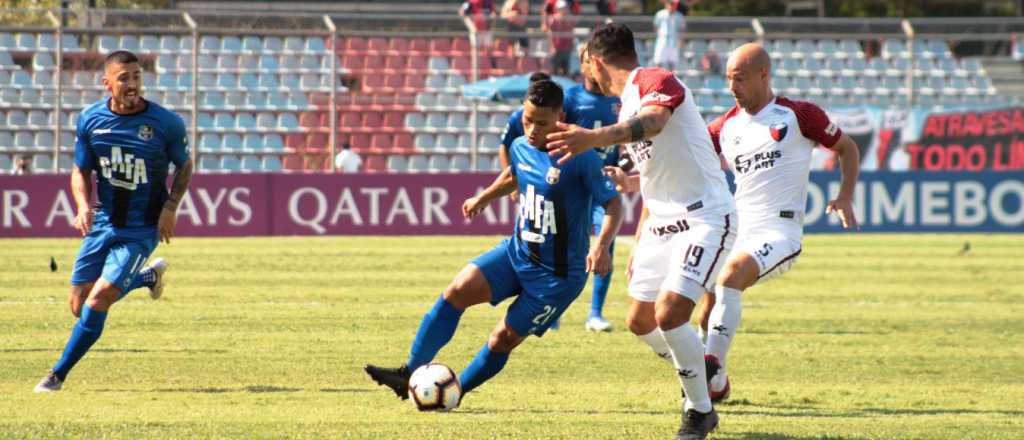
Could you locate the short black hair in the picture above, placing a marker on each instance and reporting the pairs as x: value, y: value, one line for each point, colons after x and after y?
x: 539, y: 76
x: 614, y: 43
x: 545, y: 93
x: 120, y: 57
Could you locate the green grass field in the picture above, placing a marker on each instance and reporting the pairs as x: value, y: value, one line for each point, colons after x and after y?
x: 869, y: 337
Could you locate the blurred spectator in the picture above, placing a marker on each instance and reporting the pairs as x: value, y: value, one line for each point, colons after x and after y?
x: 669, y: 25
x: 515, y: 13
x: 21, y: 166
x: 1016, y: 48
x: 479, y: 14
x: 606, y: 8
x: 560, y: 26
x: 347, y: 161
x: 549, y: 9
x: 711, y: 63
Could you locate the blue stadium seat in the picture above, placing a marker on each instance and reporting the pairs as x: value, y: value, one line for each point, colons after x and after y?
x: 293, y: 44
x: 26, y: 41
x: 436, y: 120
x: 65, y: 162
x: 438, y: 64
x: 230, y: 163
x: 129, y: 43
x: 29, y: 97
x: 268, y: 81
x: 273, y: 142
x: 7, y: 41
x: 894, y: 48
x: 209, y: 44
x: 17, y: 118
x: 426, y: 100
x: 277, y: 100
x: 44, y: 140
x: 234, y: 99
x: 397, y: 163
x: 165, y: 63
x: 149, y: 44
x: 185, y: 44
x: 248, y: 63
x: 20, y: 79
x: 245, y: 121
x: 251, y: 163
x: 6, y: 141
x: 231, y: 142
x: 438, y: 163
x: 424, y: 141
x: 457, y: 121
x: 266, y: 121
x: 209, y: 163
x: 227, y: 63
x: 227, y: 81
x: 209, y: 142
x: 309, y: 81
x: 223, y: 121
x: 849, y: 48
x: 185, y: 81
x: 489, y: 142
x: 168, y: 44
x: 287, y: 121
x: 290, y: 81
x: 42, y: 163
x: 37, y: 119
x: 213, y: 100
x: 231, y: 44
x: 252, y: 44
x: 42, y: 78
x: 205, y: 120
x: 23, y: 140
x: 252, y: 142
x: 272, y: 44
x: 272, y: 164
x: 308, y: 62
x: 459, y: 162
x: 297, y: 100
x: 315, y: 45
x: 446, y: 142
x: 465, y: 141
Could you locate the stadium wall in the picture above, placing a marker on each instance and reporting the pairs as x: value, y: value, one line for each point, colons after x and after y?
x: 407, y: 204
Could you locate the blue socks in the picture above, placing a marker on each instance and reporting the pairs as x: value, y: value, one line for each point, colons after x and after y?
x: 601, y: 285
x: 85, y: 333
x: 435, y: 331
x: 484, y: 366
x: 145, y: 278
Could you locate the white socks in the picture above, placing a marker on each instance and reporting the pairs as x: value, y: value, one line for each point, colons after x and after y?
x: 688, y: 357
x: 722, y: 326
x: 657, y: 343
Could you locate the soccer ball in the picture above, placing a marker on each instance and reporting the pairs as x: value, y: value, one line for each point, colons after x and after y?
x: 434, y: 387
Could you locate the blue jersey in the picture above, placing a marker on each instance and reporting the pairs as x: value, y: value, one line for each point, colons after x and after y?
x: 513, y: 128
x: 591, y: 110
x: 130, y: 155
x: 552, y: 228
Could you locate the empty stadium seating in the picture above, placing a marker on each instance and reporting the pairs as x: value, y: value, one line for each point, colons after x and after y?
x: 263, y: 100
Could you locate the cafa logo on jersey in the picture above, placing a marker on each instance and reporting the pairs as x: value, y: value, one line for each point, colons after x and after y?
x: 553, y: 174
x: 536, y: 216
x: 145, y: 132
x: 123, y: 169
x: 778, y: 130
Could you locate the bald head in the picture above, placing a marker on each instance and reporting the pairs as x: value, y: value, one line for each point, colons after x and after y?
x: 750, y: 56
x: 749, y: 74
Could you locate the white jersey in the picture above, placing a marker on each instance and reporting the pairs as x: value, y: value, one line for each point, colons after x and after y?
x: 668, y: 25
x: 680, y: 173
x: 770, y: 156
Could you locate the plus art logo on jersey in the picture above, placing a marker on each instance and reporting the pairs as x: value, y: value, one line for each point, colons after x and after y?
x: 778, y: 131
x: 759, y: 161
x: 123, y: 170
x: 536, y: 216
x: 640, y: 152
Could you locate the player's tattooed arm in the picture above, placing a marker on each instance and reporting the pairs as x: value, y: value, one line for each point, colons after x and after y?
x: 503, y: 185
x: 81, y: 190
x: 182, y: 177
x: 168, y: 216
x: 849, y: 167
x: 571, y: 140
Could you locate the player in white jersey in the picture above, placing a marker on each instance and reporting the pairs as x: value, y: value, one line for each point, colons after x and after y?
x: 767, y: 142
x: 689, y: 222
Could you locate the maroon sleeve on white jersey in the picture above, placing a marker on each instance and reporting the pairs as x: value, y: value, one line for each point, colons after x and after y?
x: 715, y: 127
x: 814, y: 123
x: 659, y: 87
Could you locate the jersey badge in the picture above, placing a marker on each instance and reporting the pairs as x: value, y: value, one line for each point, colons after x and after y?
x: 553, y: 174
x: 145, y: 132
x: 778, y: 130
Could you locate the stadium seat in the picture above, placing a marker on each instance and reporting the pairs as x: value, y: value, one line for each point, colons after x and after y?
x: 7, y: 41
x: 6, y: 141
x: 276, y: 100
x: 265, y: 121
x: 314, y: 45
x: 273, y: 142
x: 424, y: 142
x: 251, y: 44
x: 205, y: 120
x: 438, y: 64
x: 402, y: 141
x: 42, y: 163
x: 185, y: 44
x: 245, y: 121
x: 293, y: 45
x: 894, y: 48
x: 372, y: 120
x: 210, y: 142
x: 231, y: 44
x: 380, y: 141
x: 447, y: 142
x: 460, y: 162
x: 437, y: 163
x: 252, y: 142
x: 489, y: 142
x: 213, y: 100
x: 209, y: 44
x: 20, y: 79
x: 17, y: 118
x: 426, y: 100
x: 397, y: 164
x: 37, y: 119
x: 231, y: 142
x: 272, y: 164
x: 168, y: 44
x: 25, y: 42
x: 42, y: 61
x: 43, y: 140
x: 209, y: 163
x: 272, y: 44
x: 414, y: 121
x: 457, y: 121
x: 230, y: 163
x: 287, y: 121
x: 23, y: 140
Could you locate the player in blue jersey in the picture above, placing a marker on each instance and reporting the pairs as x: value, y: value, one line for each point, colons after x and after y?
x: 514, y: 126
x: 587, y: 107
x: 129, y: 142
x: 543, y: 265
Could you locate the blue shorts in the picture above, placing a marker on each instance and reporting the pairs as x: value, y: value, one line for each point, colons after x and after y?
x: 117, y: 254
x: 542, y: 296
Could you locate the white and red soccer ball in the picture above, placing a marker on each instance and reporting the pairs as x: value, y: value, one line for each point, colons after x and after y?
x: 434, y: 387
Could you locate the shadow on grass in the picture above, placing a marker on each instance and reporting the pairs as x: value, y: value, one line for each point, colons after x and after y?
x: 778, y: 436
x: 245, y: 389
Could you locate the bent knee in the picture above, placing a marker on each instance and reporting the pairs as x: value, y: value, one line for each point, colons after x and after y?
x: 503, y: 340
x: 641, y: 323
x: 467, y: 289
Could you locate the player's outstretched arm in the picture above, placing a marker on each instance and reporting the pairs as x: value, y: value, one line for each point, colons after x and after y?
x: 81, y: 190
x: 849, y: 167
x: 503, y: 185
x: 168, y: 217
x: 571, y: 140
x: 600, y: 260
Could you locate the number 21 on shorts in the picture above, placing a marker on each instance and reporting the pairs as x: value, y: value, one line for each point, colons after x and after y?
x: 545, y: 316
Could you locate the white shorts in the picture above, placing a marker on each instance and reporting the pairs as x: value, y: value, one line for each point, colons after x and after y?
x: 665, y: 54
x: 671, y: 252
x: 774, y: 249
